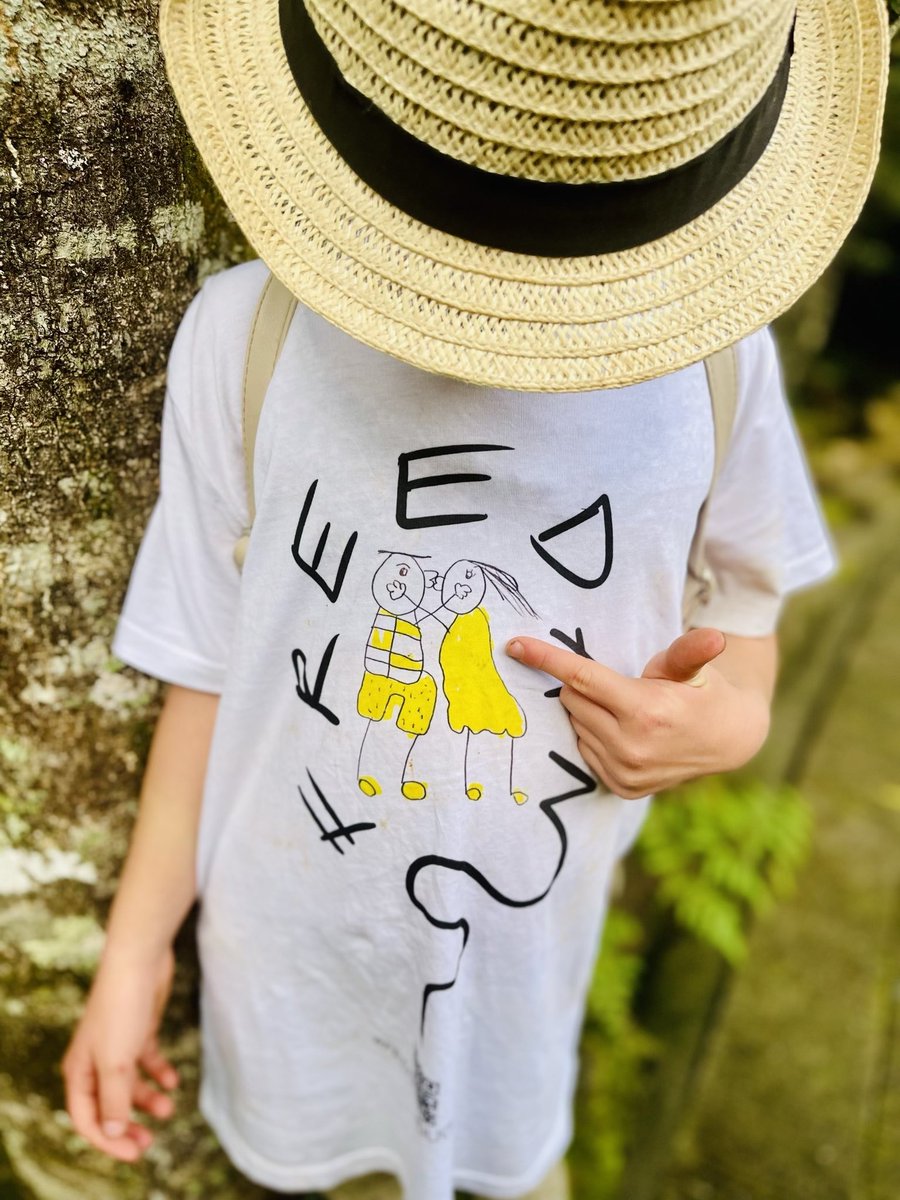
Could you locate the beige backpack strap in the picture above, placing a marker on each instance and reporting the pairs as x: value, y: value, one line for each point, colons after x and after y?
x: 721, y: 376
x: 267, y: 333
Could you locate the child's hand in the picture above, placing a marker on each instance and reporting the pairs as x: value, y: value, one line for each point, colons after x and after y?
x: 114, y: 1041
x: 683, y: 718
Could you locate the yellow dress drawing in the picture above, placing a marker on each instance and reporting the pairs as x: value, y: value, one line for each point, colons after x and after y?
x: 477, y: 698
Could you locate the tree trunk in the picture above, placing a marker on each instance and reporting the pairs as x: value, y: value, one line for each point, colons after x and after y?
x: 110, y: 223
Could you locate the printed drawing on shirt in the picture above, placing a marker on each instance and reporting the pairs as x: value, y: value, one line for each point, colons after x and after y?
x: 398, y: 688
x: 429, y: 653
x: 395, y: 685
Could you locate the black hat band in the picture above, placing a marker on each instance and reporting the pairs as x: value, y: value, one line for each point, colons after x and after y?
x: 526, y: 216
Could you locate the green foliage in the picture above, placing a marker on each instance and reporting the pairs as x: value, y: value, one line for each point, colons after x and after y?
x: 723, y: 851
x: 720, y: 852
x: 618, y: 969
x: 615, y: 1051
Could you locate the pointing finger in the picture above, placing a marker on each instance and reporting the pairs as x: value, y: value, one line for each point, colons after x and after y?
x: 599, y: 683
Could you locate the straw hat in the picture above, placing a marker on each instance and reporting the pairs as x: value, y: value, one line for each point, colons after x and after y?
x: 548, y: 195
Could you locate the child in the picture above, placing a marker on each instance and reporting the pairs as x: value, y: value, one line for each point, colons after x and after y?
x: 473, y: 206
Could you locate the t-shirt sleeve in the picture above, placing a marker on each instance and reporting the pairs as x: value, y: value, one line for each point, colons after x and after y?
x: 179, y: 611
x: 766, y: 533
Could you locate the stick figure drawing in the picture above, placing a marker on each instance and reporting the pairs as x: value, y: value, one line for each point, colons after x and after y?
x: 395, y: 684
x: 478, y: 701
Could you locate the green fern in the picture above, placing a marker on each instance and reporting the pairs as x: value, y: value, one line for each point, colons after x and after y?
x: 720, y: 852
x: 616, y: 975
x: 723, y: 851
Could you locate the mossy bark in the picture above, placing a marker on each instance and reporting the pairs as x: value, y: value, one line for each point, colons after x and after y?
x: 110, y: 222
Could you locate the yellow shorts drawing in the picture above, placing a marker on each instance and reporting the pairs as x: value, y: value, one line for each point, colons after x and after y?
x: 380, y: 697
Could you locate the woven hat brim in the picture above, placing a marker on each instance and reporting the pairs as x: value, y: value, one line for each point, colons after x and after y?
x: 518, y: 321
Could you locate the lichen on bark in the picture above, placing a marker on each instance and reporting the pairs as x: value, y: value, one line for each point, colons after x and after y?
x: 110, y: 224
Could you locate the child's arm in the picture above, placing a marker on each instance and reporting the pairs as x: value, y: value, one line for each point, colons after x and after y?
x: 116, y: 1036
x: 684, y: 717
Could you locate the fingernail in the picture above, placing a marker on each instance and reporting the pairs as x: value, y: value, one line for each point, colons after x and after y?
x: 515, y: 649
x: 698, y: 680
x: 114, y: 1129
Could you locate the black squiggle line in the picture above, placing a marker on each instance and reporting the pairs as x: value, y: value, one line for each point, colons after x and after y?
x: 588, y: 784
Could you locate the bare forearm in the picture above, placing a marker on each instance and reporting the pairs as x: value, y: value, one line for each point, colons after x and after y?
x: 158, y: 884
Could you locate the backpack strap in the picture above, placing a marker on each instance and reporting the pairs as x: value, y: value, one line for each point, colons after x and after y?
x: 722, y: 379
x: 268, y: 330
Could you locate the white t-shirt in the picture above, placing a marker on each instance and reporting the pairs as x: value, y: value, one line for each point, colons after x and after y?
x: 403, y: 862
